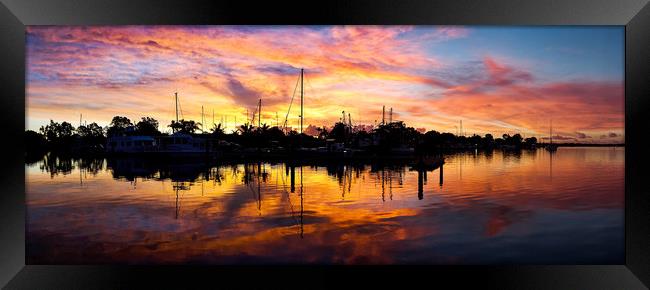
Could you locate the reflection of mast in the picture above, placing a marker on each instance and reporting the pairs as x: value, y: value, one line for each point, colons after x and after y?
x: 551, y: 165
x: 293, y: 178
x: 383, y: 176
x: 420, y: 184
x: 302, y: 190
x: 460, y: 166
x: 259, y: 187
x: 390, y: 186
x: 81, y: 182
x: 441, y: 165
x: 177, y: 209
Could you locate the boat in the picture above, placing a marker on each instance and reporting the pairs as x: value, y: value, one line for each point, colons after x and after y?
x: 130, y: 144
x: 178, y: 142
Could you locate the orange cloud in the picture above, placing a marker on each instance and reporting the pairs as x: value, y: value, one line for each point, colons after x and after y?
x: 134, y: 70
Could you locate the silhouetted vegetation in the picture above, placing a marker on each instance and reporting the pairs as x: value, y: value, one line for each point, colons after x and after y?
x: 389, y: 138
x: 185, y: 126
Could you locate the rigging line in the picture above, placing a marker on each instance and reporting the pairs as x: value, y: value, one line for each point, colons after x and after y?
x: 181, y: 109
x: 290, y: 103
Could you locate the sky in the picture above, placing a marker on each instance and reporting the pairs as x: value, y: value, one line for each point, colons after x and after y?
x: 498, y: 80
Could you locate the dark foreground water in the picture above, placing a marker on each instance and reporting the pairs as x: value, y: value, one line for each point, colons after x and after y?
x: 531, y: 207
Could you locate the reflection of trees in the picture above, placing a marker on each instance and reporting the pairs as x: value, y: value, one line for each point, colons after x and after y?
x: 56, y: 164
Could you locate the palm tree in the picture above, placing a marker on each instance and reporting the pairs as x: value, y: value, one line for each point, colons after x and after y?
x: 262, y: 130
x: 217, y: 130
x: 245, y: 129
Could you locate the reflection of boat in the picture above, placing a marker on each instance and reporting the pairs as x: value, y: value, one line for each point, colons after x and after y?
x: 427, y: 163
x: 175, y: 169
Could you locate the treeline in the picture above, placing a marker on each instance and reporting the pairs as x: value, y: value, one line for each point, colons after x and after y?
x: 87, y: 138
x: 63, y: 137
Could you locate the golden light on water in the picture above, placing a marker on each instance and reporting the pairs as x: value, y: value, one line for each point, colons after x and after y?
x: 346, y: 214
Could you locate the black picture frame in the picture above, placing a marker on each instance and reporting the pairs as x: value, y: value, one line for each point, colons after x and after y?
x: 633, y: 14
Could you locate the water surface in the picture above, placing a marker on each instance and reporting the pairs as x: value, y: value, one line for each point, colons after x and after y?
x: 528, y: 207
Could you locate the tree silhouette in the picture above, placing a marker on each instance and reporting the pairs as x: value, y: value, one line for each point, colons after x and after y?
x: 218, y: 131
x: 338, y: 132
x: 530, y: 142
x: 147, y: 126
x: 185, y: 126
x: 118, y: 125
x: 245, y: 129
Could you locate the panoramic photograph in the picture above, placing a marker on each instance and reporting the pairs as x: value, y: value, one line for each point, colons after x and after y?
x: 343, y: 145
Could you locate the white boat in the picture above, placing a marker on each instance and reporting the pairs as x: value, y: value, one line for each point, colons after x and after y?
x: 130, y: 144
x: 180, y: 142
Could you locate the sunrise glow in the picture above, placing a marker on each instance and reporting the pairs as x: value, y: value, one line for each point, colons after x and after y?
x: 495, y: 79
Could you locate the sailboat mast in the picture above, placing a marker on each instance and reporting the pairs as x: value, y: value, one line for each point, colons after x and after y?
x: 302, y: 79
x: 176, y: 101
x: 259, y: 114
x: 350, y: 121
x: 551, y: 132
x: 202, y: 120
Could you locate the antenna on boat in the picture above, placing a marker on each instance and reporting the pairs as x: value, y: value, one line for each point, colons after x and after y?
x: 383, y: 115
x: 390, y: 116
x: 202, y: 120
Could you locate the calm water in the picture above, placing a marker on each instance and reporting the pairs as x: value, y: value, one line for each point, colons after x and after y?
x: 525, y: 208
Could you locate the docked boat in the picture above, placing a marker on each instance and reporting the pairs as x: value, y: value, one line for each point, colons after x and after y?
x: 180, y: 142
x: 130, y: 144
x: 177, y: 143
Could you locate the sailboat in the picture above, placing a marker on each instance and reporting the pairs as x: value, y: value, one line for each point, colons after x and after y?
x: 551, y: 147
x: 179, y: 141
